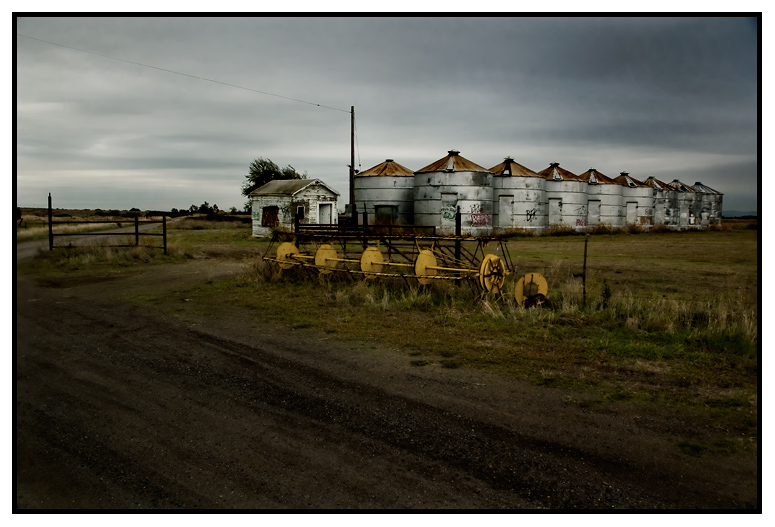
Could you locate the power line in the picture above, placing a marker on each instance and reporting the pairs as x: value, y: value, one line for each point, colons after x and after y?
x: 184, y: 74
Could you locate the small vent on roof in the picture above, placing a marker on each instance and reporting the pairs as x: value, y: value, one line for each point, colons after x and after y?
x: 507, y: 161
x: 453, y: 152
x: 388, y: 160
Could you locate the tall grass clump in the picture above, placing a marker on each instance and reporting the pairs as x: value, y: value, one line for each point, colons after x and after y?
x: 604, y: 228
x: 661, y: 228
x: 94, y: 254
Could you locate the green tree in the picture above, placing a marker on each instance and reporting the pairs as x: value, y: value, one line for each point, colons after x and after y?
x: 262, y: 171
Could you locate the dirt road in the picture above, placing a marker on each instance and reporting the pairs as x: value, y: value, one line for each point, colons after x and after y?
x: 118, y: 407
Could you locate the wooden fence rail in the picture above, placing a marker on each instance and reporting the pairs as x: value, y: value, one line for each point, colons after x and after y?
x: 136, y: 221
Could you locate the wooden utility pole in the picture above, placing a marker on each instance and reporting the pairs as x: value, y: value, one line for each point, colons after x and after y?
x: 352, y: 166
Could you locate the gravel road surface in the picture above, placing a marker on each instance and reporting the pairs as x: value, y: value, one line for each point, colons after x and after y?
x: 120, y: 407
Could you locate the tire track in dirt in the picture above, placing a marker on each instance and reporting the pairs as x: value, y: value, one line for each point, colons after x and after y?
x: 131, y: 409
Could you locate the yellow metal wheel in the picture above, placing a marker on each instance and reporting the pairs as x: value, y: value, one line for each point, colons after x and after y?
x: 492, y: 274
x: 371, y: 260
x: 424, y: 266
x: 531, y: 290
x: 285, y: 253
x: 326, y: 257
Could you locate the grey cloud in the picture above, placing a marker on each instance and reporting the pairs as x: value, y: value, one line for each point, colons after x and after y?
x: 540, y: 89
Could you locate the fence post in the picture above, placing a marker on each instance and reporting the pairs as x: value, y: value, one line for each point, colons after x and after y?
x: 458, y: 232
x: 365, y: 227
x: 137, y: 231
x: 164, y: 231
x: 50, y: 227
x: 584, y: 274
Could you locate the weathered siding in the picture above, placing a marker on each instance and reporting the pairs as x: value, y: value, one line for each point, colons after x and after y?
x: 306, y: 203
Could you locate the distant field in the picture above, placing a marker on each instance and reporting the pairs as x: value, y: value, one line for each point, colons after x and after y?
x: 34, y: 222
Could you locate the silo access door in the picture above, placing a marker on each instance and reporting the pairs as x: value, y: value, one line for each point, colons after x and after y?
x: 506, y: 212
x: 555, y: 211
x: 448, y: 212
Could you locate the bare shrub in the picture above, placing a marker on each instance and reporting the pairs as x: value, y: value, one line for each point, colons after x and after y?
x: 562, y: 230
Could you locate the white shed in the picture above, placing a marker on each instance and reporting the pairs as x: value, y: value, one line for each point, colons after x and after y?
x: 277, y: 204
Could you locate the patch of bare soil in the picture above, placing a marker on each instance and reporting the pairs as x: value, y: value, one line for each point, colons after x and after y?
x: 124, y: 407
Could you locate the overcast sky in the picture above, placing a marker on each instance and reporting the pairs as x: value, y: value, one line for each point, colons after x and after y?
x: 674, y: 98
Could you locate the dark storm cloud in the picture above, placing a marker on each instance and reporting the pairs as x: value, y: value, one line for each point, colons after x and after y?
x: 653, y: 95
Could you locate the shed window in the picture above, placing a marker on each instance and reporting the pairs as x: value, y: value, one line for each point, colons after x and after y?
x: 269, y: 218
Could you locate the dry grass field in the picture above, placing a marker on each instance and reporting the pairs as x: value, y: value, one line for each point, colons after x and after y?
x: 670, y: 319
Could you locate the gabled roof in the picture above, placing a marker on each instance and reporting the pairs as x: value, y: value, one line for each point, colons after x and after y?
x: 509, y: 167
x: 288, y: 187
x: 625, y: 179
x: 453, y: 162
x: 594, y: 177
x: 705, y: 189
x: 556, y: 173
x: 388, y: 168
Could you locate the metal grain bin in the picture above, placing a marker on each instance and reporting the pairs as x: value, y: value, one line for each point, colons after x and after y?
x: 450, y: 183
x: 605, y: 202
x: 710, y: 204
x: 684, y: 203
x: 519, y: 198
x: 638, y: 201
x: 661, y: 191
x: 386, y: 193
x: 566, y: 195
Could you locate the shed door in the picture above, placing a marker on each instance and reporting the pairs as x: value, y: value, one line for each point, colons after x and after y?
x: 269, y: 216
x: 555, y: 211
x: 324, y: 213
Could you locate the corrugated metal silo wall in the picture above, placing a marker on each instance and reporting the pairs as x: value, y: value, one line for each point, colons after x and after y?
x: 438, y: 194
x: 661, y: 203
x: 374, y: 191
x: 638, y: 205
x: 708, y: 208
x: 568, y: 203
x: 519, y: 203
x: 605, y: 205
x: 685, y: 207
